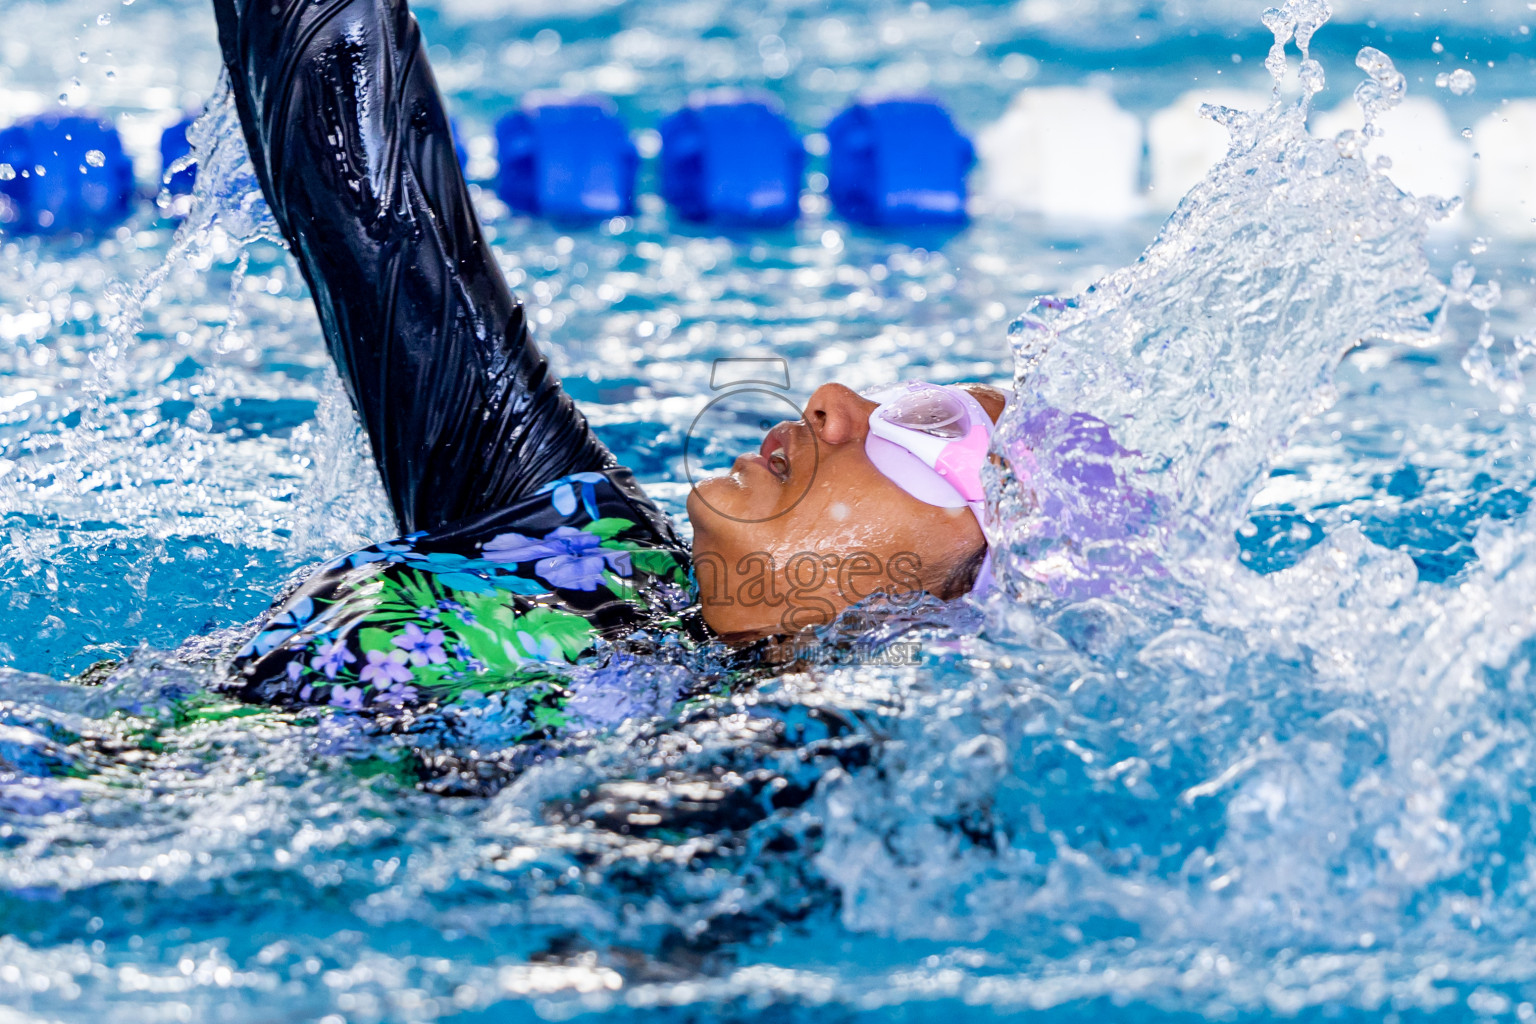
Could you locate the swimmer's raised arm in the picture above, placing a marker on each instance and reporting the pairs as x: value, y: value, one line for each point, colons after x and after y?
x: 352, y: 147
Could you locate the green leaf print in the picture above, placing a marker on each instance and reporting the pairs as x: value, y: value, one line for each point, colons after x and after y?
x: 550, y: 719
x: 491, y: 625
x: 654, y: 562
x: 622, y: 588
x: 374, y: 639
x: 573, y: 633
x: 608, y: 527
x: 403, y: 596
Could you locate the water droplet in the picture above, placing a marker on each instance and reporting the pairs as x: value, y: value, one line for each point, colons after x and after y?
x: 104, y: 19
x: 1466, y: 133
x: 7, y: 172
x: 96, y: 158
x: 1437, y: 47
x: 1462, y: 276
x: 1349, y: 143
x: 63, y: 98
x: 1312, y: 76
x: 1310, y: 15
x: 1382, y: 91
x: 1462, y: 81
x: 1283, y: 26
x: 1484, y: 297
x: 85, y: 58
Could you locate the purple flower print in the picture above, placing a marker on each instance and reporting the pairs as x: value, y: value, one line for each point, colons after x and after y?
x: 429, y: 612
x: 331, y: 659
x: 604, y: 696
x: 294, y: 669
x: 398, y: 695
x: 472, y: 664
x: 347, y: 697
x: 385, y: 667
x: 581, y: 572
x: 422, y: 647
x: 515, y: 547
x: 540, y: 649
x: 567, y: 558
x: 465, y: 615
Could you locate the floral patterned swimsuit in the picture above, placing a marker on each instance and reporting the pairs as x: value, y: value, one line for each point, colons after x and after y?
x: 511, y: 599
x: 524, y: 546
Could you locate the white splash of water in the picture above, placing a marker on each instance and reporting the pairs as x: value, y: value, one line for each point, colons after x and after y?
x: 1002, y: 806
x: 1201, y: 359
x: 151, y: 360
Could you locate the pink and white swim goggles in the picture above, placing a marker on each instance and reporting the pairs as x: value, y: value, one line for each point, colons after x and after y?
x: 931, y: 441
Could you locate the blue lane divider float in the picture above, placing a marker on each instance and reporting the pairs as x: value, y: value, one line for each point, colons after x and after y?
x: 566, y: 158
x: 898, y: 162
x: 174, y: 146
x: 731, y: 159
x: 62, y: 173
x: 726, y: 158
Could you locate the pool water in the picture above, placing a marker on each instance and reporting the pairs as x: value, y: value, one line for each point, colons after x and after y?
x: 1245, y: 735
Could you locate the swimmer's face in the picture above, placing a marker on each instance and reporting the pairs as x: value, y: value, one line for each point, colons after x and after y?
x: 806, y: 526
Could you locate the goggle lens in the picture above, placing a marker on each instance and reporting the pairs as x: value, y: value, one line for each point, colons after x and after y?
x: 932, y: 410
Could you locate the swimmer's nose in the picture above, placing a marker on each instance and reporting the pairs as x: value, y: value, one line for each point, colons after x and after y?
x: 837, y: 414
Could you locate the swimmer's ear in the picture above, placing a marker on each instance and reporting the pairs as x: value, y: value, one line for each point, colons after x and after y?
x: 992, y: 399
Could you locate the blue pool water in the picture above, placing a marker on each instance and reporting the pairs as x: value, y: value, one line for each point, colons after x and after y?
x: 1249, y: 737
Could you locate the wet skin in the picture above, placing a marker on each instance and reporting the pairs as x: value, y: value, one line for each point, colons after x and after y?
x: 806, y: 526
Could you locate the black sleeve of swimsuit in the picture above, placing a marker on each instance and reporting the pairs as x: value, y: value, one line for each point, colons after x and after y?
x: 353, y: 150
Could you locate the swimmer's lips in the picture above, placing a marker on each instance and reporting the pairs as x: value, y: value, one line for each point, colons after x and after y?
x: 779, y: 453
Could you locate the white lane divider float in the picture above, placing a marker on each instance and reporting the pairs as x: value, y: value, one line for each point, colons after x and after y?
x: 1429, y: 157
x: 1504, y: 197
x: 1073, y: 153
x: 1064, y: 152
x: 1183, y: 145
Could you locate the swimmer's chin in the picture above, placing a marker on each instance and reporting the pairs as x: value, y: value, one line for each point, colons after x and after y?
x: 708, y: 494
x: 726, y: 494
